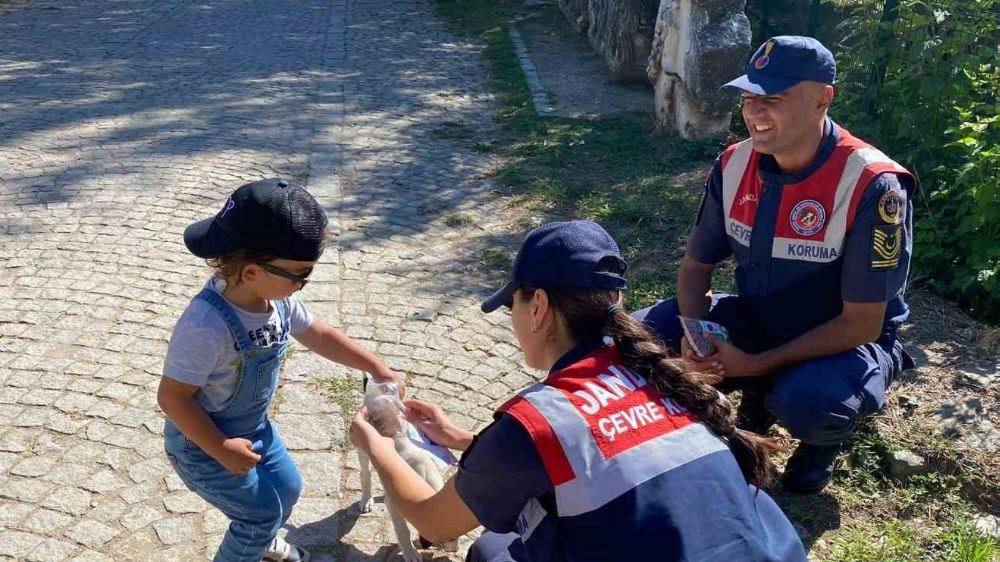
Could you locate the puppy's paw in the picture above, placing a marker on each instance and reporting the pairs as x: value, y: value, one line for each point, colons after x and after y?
x: 450, y: 546
x: 364, y: 505
x: 409, y: 554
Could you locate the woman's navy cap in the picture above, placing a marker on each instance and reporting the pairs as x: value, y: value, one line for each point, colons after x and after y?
x: 784, y: 61
x: 271, y: 216
x: 572, y: 253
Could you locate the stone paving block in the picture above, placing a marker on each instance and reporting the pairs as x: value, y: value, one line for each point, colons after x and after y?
x: 91, y: 533
x: 45, y: 521
x: 68, y: 473
x: 89, y: 556
x: 315, y: 521
x: 25, y: 490
x: 12, y: 512
x: 214, y: 522
x: 108, y: 510
x: 51, y: 550
x: 66, y: 424
x: 136, y: 493
x: 140, y: 516
x: 33, y: 417
x: 68, y: 500
x: 173, y: 531
x: 309, y: 433
x: 33, y: 467
x: 320, y: 472
x: 149, y: 469
x: 103, y: 482
x: 17, y: 544
x: 7, y: 460
x: 184, y: 502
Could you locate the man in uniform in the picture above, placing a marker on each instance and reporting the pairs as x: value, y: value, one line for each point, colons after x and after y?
x: 819, y: 223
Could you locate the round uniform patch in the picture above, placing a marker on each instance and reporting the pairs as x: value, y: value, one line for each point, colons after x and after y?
x: 808, y: 217
x: 889, y: 207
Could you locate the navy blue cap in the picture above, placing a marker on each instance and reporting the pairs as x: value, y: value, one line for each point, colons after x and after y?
x: 271, y: 216
x: 784, y: 61
x: 572, y: 253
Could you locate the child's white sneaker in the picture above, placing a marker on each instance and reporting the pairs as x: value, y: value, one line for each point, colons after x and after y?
x: 281, y: 551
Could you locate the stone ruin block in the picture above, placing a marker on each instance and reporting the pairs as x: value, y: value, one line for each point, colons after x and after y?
x: 577, y: 12
x: 621, y: 31
x: 698, y: 46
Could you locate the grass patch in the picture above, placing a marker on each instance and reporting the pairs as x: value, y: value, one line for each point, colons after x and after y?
x: 346, y: 393
x: 925, y: 517
x: 459, y: 219
x: 907, y: 541
x: 496, y: 259
x: 643, y: 189
x: 453, y: 130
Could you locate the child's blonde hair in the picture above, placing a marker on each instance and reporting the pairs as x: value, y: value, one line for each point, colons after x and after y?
x: 230, y: 266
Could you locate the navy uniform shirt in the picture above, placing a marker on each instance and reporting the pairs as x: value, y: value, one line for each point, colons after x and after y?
x: 789, y: 296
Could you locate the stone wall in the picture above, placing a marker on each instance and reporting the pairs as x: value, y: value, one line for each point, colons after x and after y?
x: 577, y: 12
x: 621, y: 31
x: 698, y: 46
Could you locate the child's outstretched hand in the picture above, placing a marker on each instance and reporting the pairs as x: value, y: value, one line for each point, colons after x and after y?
x: 237, y: 455
x: 389, y: 376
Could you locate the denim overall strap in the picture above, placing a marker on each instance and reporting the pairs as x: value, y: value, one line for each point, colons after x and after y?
x: 245, y: 414
x: 213, y: 298
x: 229, y: 315
x: 282, y: 307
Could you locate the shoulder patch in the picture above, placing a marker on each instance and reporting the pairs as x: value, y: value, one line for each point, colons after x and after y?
x: 887, y: 245
x: 890, y: 207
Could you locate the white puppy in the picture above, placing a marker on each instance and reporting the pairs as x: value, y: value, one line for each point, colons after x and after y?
x: 383, y: 405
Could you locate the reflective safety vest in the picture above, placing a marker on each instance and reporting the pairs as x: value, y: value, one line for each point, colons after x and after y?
x: 818, y: 217
x: 601, y: 430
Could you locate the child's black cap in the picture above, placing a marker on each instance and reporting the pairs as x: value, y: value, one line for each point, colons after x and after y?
x: 272, y: 216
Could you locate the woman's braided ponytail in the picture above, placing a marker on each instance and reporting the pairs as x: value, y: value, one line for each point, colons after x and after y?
x: 591, y: 315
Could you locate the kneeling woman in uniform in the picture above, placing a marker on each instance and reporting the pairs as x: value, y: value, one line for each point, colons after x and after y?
x: 618, y: 454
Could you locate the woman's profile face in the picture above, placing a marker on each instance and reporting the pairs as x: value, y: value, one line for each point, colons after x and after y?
x: 531, y: 342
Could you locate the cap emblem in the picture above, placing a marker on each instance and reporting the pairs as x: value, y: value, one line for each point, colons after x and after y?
x: 764, y: 59
x: 230, y: 205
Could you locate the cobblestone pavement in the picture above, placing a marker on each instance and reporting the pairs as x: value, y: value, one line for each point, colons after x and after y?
x: 121, y: 121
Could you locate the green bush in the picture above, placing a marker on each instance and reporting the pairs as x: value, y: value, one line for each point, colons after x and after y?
x: 922, y: 79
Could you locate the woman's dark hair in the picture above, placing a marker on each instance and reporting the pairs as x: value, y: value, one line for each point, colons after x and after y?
x: 588, y: 317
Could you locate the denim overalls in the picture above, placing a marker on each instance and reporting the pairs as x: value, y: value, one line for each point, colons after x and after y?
x: 259, y: 502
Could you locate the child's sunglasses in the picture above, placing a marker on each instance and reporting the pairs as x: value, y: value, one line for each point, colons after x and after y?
x: 300, y: 279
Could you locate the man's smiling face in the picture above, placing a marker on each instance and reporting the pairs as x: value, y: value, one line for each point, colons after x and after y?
x: 779, y: 123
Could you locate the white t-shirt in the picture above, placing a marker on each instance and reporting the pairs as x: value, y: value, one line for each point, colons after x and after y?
x: 204, y: 353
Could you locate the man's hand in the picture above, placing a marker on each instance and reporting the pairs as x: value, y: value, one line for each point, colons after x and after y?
x: 710, y: 368
x: 735, y: 362
x: 237, y: 455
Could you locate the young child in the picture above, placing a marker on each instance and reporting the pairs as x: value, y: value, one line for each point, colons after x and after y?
x: 225, y: 355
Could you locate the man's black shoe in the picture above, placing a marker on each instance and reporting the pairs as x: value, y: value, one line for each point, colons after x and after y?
x: 810, y: 468
x: 752, y: 414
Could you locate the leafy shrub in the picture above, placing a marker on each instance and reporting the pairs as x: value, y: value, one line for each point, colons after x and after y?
x: 922, y: 79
